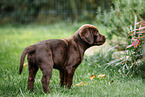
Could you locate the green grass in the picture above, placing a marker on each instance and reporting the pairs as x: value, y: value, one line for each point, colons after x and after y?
x: 14, y: 38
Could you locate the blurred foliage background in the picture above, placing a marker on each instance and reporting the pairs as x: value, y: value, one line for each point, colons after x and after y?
x: 120, y: 19
x: 26, y: 11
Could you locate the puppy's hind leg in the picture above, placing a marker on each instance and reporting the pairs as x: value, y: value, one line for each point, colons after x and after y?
x: 46, y: 67
x: 47, y: 73
x: 32, y: 72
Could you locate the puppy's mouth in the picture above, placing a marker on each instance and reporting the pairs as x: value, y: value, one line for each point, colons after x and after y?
x: 99, y: 43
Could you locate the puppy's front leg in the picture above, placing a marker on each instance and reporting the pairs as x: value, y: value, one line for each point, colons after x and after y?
x: 63, y: 78
x: 70, y: 74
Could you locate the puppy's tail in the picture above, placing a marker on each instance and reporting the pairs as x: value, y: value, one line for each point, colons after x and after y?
x: 24, y: 53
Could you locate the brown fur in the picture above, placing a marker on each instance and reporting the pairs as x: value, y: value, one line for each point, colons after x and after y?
x: 62, y: 54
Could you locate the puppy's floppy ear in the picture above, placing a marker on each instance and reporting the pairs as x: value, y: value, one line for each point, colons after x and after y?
x: 87, y: 35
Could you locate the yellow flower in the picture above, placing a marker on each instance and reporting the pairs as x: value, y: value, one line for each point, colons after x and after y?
x: 102, y: 76
x: 25, y: 64
x: 81, y: 84
x: 92, y: 77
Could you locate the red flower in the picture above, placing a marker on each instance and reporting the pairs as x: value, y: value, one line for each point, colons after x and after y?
x: 135, y: 43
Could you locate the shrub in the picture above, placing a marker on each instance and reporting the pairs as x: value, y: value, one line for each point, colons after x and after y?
x: 118, y: 23
x: 132, y: 61
x: 120, y: 17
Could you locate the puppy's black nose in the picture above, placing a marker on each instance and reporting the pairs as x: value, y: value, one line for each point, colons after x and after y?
x: 104, y: 37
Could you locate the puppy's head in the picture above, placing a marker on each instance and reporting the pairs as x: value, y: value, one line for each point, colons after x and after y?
x: 91, y: 35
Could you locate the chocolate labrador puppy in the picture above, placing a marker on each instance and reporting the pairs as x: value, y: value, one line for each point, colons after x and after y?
x: 62, y: 54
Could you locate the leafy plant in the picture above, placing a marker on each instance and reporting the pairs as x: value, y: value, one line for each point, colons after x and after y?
x: 131, y: 61
x: 120, y: 17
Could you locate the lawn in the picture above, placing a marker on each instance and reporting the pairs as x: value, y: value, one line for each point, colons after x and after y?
x: 14, y: 38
